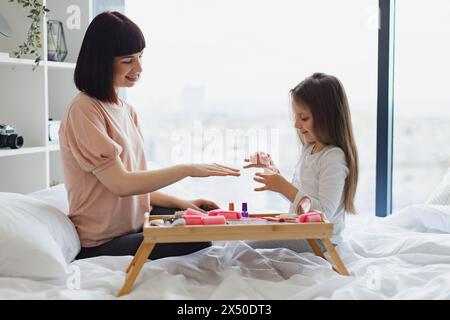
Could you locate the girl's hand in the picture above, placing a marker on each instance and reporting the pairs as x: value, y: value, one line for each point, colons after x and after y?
x: 273, y: 181
x: 276, y: 182
x: 261, y: 160
x: 208, y: 170
x: 201, y: 205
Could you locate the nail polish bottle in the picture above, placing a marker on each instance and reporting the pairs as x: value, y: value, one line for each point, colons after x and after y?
x: 244, y: 210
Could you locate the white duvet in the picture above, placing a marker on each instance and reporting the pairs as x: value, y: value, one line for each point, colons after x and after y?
x: 404, y: 256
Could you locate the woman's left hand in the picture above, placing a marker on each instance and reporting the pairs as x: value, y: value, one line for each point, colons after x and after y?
x: 201, y: 205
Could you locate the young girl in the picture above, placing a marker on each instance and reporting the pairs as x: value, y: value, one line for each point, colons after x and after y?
x: 109, y: 185
x: 327, y: 171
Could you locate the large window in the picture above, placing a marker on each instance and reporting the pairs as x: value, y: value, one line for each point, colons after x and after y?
x: 217, y: 76
x: 421, y: 99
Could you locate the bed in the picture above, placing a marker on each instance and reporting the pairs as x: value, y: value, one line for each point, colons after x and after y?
x: 403, y: 256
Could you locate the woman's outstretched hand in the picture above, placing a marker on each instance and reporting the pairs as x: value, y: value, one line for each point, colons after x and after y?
x: 209, y: 170
x: 261, y: 160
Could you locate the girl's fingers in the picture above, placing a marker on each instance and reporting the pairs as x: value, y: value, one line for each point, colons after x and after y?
x: 262, y: 175
x: 261, y: 189
x: 259, y: 180
x: 258, y: 158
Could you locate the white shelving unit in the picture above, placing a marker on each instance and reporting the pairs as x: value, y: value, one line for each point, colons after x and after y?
x: 29, y: 98
x: 15, y: 61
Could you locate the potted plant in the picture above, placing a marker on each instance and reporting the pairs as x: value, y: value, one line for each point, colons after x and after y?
x: 33, y: 43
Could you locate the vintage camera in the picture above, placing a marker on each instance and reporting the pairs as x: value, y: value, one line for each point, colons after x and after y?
x: 9, y: 137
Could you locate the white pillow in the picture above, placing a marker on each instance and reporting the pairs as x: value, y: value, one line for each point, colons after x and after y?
x: 441, y: 195
x: 56, y: 196
x: 36, y: 239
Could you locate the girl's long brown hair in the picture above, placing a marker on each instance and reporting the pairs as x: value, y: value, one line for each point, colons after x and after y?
x: 325, y: 96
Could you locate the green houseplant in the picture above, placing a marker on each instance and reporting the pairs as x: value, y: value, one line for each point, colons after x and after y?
x: 33, y: 42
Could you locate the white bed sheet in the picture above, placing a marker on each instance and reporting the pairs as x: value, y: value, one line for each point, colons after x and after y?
x: 405, y: 256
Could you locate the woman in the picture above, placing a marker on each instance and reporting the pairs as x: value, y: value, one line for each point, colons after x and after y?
x: 102, y: 149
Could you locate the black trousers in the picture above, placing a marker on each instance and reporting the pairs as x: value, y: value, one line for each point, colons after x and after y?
x: 127, y: 245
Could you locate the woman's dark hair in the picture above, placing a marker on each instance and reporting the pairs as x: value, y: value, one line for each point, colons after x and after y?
x: 326, y: 98
x: 109, y: 35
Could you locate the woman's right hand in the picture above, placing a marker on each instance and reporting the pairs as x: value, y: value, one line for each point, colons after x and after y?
x: 261, y: 160
x: 209, y: 170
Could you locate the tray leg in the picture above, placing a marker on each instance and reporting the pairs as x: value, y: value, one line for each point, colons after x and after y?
x: 137, y: 254
x: 338, y: 264
x: 135, y: 266
x: 315, y: 247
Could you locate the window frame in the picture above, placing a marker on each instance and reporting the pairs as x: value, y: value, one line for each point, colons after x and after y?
x: 385, y: 108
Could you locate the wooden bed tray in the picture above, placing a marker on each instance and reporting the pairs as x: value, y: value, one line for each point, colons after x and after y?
x: 267, y: 231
